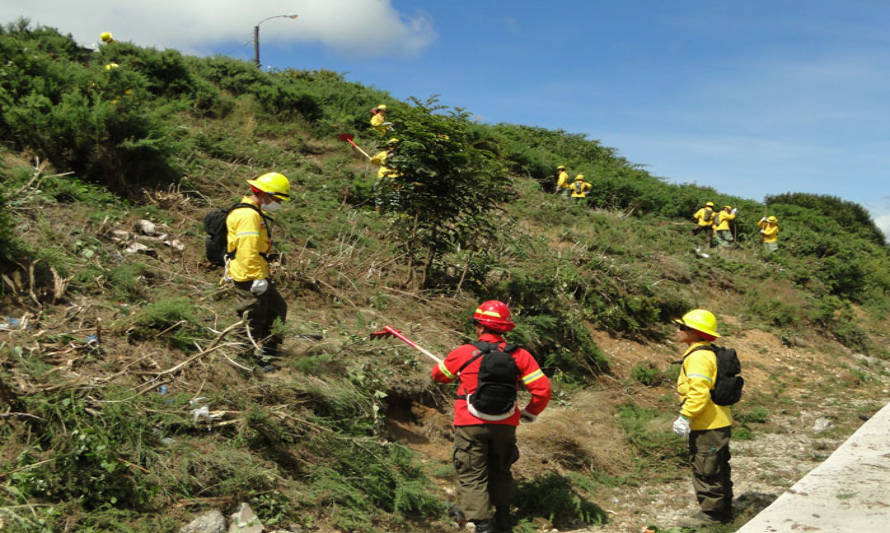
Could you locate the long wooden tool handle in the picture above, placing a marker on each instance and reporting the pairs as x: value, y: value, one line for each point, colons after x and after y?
x: 412, y: 344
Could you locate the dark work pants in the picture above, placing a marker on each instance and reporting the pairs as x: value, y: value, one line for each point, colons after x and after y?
x: 483, y: 456
x: 711, y: 474
x: 261, y: 312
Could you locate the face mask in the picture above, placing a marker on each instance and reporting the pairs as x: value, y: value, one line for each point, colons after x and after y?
x: 271, y: 206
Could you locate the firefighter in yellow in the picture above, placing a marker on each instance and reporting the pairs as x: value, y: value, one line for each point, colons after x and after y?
x: 248, y: 243
x: 563, y: 187
x: 722, y: 229
x: 706, y: 424
x: 378, y: 119
x: 379, y: 159
x: 106, y: 37
x: 705, y: 221
x: 580, y: 187
x: 769, y: 230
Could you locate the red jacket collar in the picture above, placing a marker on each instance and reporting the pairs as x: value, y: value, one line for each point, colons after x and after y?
x: 491, y: 337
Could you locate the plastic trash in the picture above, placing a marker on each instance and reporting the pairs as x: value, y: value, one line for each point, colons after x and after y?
x: 11, y: 323
x: 162, y: 389
x: 92, y: 340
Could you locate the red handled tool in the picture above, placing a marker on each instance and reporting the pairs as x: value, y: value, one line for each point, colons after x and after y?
x: 390, y: 332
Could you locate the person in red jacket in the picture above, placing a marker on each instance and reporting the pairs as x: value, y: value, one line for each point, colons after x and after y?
x: 485, y: 444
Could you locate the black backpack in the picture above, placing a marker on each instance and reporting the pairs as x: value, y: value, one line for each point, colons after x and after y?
x: 215, y: 244
x: 728, y: 388
x: 495, y: 392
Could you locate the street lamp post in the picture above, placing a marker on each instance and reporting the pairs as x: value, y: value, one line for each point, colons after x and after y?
x: 256, y: 36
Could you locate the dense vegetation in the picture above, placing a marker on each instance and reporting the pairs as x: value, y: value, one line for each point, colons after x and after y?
x: 131, y: 132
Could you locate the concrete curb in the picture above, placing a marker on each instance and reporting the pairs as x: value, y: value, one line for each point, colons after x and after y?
x: 849, y: 491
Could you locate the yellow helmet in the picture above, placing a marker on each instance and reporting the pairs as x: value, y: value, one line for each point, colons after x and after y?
x: 381, y: 107
x: 111, y: 65
x: 729, y: 207
x: 579, y: 177
x: 709, y: 204
x: 772, y: 219
x: 274, y: 184
x: 106, y: 37
x: 561, y: 167
x: 700, y: 320
x: 391, y: 141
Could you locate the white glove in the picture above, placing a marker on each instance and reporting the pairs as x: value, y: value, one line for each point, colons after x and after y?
x: 763, y: 219
x: 525, y: 416
x: 681, y: 426
x: 259, y: 286
x: 734, y: 210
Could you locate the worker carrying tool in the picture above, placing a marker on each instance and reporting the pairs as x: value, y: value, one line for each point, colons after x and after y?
x: 486, y: 415
x: 722, y: 230
x: 380, y: 159
x: 378, y: 119
x: 706, y: 424
x: 248, y: 242
x: 563, y: 187
x: 704, y: 218
x: 580, y: 187
x: 769, y: 230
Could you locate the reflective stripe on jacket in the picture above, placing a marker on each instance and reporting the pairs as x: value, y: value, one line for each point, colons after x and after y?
x: 247, y: 234
x: 530, y: 375
x: 694, y: 386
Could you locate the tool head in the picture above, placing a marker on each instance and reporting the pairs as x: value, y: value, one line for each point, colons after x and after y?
x: 385, y: 332
x: 346, y: 137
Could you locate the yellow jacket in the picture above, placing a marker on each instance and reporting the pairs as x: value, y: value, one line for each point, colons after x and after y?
x: 721, y: 222
x: 248, y: 237
x: 377, y: 123
x: 580, y: 188
x: 384, y: 171
x: 562, y: 181
x: 769, y: 231
x: 694, y: 386
x: 705, y: 216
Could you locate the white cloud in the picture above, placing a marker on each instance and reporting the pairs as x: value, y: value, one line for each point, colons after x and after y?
x: 354, y: 27
x: 883, y: 223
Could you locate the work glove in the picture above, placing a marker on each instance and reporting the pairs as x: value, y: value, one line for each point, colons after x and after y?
x: 734, y: 210
x: 681, y: 426
x: 527, y: 417
x: 259, y: 286
x: 763, y: 219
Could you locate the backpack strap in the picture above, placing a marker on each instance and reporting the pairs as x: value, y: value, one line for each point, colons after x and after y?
x: 709, y: 347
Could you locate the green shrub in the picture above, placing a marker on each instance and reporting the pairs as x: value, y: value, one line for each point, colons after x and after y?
x: 647, y: 374
x: 177, y: 318
x: 640, y: 428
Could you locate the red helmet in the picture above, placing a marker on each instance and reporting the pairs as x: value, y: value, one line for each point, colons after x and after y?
x: 494, y: 315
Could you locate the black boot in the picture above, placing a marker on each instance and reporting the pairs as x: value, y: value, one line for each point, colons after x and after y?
x: 502, y: 519
x: 483, y: 526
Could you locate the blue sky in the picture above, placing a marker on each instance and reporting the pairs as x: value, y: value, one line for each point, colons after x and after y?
x: 752, y: 98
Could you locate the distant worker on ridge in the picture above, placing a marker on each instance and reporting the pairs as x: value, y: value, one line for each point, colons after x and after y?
x: 722, y: 230
x: 769, y: 230
x: 489, y: 372
x: 563, y: 187
x: 580, y: 187
x: 106, y: 37
x: 705, y: 221
x: 378, y: 119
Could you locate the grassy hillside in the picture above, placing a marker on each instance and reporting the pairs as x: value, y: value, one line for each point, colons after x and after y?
x: 111, y: 355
